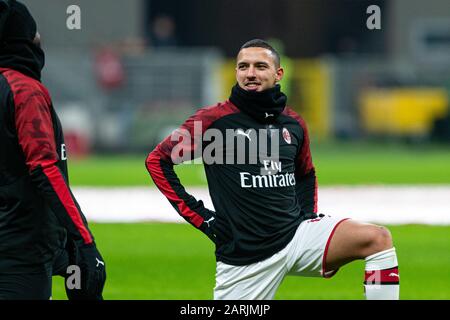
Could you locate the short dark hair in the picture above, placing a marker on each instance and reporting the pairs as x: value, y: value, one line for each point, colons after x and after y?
x: 258, y: 43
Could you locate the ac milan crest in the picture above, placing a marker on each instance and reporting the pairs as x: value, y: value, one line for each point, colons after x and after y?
x: 286, y: 135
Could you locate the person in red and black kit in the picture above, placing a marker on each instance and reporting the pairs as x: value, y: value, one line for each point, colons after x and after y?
x: 265, y: 224
x: 42, y: 228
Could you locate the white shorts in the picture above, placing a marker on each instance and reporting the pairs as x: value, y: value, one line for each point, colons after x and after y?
x: 304, y: 255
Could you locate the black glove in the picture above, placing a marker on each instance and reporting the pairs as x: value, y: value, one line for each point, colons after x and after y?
x: 208, y: 224
x: 93, y: 273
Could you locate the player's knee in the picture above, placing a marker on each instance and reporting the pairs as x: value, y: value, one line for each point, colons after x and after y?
x: 380, y: 240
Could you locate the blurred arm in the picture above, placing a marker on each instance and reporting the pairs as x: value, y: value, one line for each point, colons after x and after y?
x: 36, y: 137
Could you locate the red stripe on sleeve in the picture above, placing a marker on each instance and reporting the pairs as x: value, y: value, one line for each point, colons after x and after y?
x: 33, y: 119
x: 59, y: 185
x: 203, y: 118
x: 156, y: 172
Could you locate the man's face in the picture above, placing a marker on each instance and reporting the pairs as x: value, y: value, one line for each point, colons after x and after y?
x: 256, y: 69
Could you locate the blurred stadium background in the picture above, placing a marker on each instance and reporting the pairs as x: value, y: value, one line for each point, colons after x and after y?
x: 376, y: 101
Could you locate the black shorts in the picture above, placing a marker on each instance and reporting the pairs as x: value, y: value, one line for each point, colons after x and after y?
x: 32, y: 286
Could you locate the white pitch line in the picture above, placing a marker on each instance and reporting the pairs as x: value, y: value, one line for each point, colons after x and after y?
x: 377, y: 204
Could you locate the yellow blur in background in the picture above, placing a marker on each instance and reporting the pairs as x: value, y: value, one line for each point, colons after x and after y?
x: 402, y: 111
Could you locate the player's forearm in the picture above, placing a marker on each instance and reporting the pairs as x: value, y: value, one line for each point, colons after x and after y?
x: 165, y: 178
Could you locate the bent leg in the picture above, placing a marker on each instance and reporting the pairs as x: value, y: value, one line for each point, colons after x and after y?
x: 354, y: 240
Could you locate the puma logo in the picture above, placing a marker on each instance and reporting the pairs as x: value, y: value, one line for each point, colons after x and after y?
x: 242, y: 133
x: 269, y: 115
x: 99, y: 262
x: 208, y: 221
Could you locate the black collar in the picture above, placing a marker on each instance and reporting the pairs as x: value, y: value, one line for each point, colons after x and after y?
x: 264, y: 106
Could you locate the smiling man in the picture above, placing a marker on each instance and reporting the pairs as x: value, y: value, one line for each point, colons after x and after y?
x: 258, y: 70
x: 265, y: 224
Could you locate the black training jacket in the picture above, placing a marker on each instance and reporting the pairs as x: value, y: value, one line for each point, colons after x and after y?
x: 258, y: 204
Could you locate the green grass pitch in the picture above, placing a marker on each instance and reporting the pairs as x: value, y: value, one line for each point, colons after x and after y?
x: 158, y: 261
x: 175, y: 261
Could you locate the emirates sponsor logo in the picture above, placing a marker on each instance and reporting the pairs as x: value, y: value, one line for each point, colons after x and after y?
x: 267, y: 181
